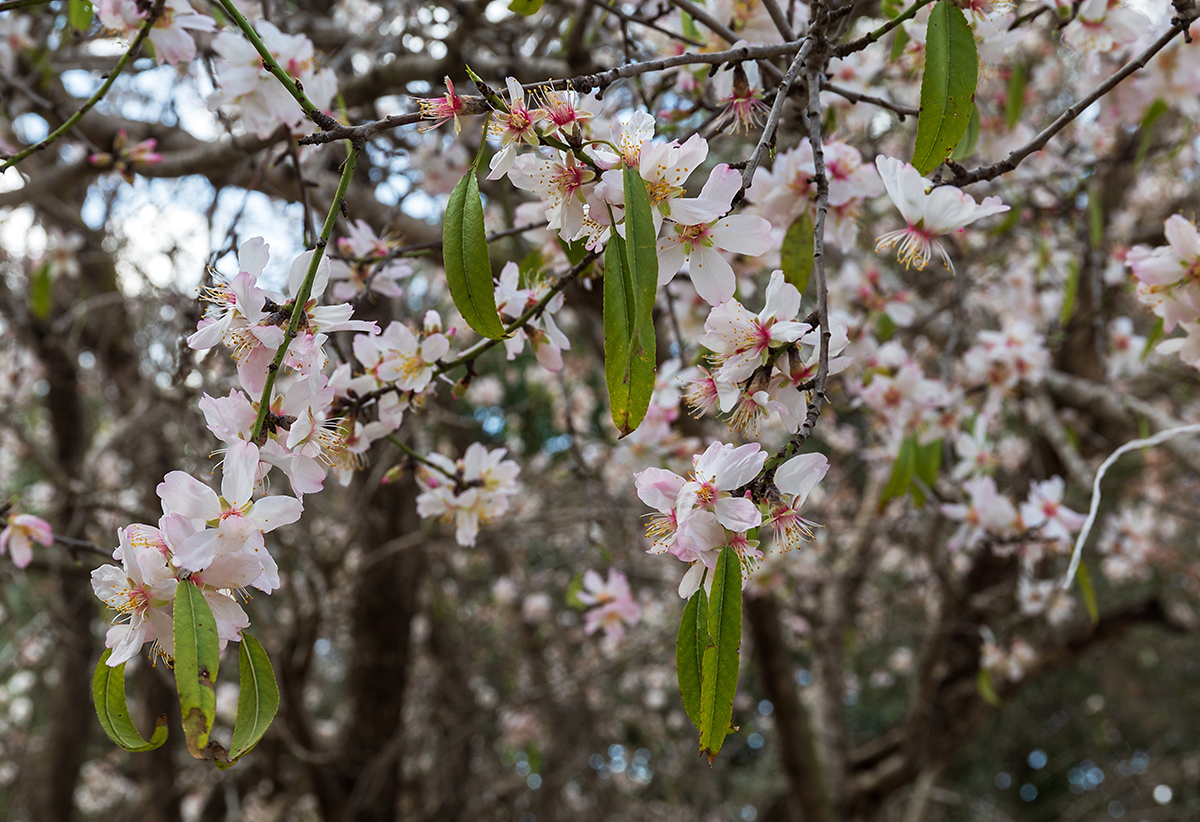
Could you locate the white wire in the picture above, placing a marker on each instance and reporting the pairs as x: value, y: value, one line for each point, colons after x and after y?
x: 1158, y: 438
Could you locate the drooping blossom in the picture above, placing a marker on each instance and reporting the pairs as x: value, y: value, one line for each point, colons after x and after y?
x: 928, y: 211
x: 740, y: 340
x: 471, y: 491
x: 795, y: 480
x: 19, y: 534
x: 611, y: 601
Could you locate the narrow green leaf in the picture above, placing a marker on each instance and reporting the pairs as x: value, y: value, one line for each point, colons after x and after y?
x: 1156, y: 110
x: 966, y: 146
x: 525, y: 8
x: 947, y: 86
x: 900, y: 39
x: 796, y: 253
x: 689, y: 653
x: 628, y: 364
x: 1156, y: 334
x: 984, y: 683
x: 902, y: 472
x: 1014, y: 102
x: 79, y: 14
x: 197, y: 654
x: 926, y: 465
x: 258, y: 697
x: 468, y: 267
x: 641, y: 247
x: 108, y: 696
x: 719, y: 666
x: 1089, y: 592
x: 1070, y: 293
x: 1095, y: 209
x: 41, y: 292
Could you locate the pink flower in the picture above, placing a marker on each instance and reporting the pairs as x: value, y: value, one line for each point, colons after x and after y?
x: 696, y: 245
x: 613, y: 603
x: 442, y: 109
x: 19, y: 535
x: 795, y: 480
x: 517, y: 125
x: 718, y: 471
x: 928, y: 213
x: 740, y: 340
x: 1044, y: 510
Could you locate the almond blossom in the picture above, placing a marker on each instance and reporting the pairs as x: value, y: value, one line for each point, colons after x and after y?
x: 928, y: 211
x: 612, y: 601
x: 543, y: 333
x: 795, y: 480
x: 740, y: 340
x: 169, y: 34
x: 471, y: 491
x: 142, y: 590
x: 19, y: 534
x: 695, y: 245
x: 517, y: 125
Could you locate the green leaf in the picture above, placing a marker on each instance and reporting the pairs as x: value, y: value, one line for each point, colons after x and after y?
x: 641, y: 246
x: 947, y: 86
x: 902, y: 472
x: 796, y: 253
x: 628, y: 361
x: 1156, y: 334
x: 108, y: 695
x: 966, y: 146
x: 525, y: 8
x: 1089, y: 592
x: 1070, y: 293
x: 719, y: 666
x: 1095, y: 218
x: 258, y: 697
x: 1156, y: 110
x: 1014, y: 101
x: 927, y: 463
x: 468, y: 267
x: 689, y: 653
x: 984, y: 683
x: 197, y: 654
x: 900, y: 39
x: 79, y: 14
x: 41, y: 292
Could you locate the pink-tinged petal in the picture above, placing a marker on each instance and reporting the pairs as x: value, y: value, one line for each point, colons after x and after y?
x: 37, y: 527
x: 299, y: 271
x: 208, y: 334
x: 239, y: 472
x: 125, y: 641
x: 658, y: 488
x: 1182, y: 236
x: 712, y: 276
x: 236, y: 570
x: 737, y: 513
x: 249, y: 297
x: 782, y: 299
x: 268, y: 580
x: 434, y: 347
x: 743, y: 234
x: 271, y: 512
x: 671, y: 258
x: 722, y: 185
x: 197, y: 551
x: 253, y: 256
x: 110, y: 585
x: 688, y: 211
x: 905, y: 186
x: 948, y: 209
x: 181, y: 493
x: 230, y: 618
x: 690, y: 583
x: 698, y: 536
x: 548, y: 356
x: 799, y: 475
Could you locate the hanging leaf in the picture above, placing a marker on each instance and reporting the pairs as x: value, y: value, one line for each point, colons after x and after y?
x: 902, y: 472
x: 1089, y: 593
x: 108, y: 696
x: 465, y: 254
x: 79, y: 14
x: 197, y: 654
x: 525, y: 8
x: 41, y: 292
x: 1014, y: 101
x: 689, y: 653
x: 1156, y: 110
x: 1070, y: 293
x: 966, y: 146
x: 628, y: 362
x: 947, y: 86
x: 796, y: 253
x: 984, y: 683
x: 719, y: 667
x: 926, y: 464
x: 258, y: 697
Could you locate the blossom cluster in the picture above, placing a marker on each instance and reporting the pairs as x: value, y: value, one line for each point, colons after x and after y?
x: 1169, y: 285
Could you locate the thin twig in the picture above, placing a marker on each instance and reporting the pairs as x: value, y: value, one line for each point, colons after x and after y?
x: 717, y: 27
x: 768, y: 135
x: 962, y: 177
x: 155, y: 11
x: 874, y: 36
x: 779, y: 19
x: 858, y: 97
x: 302, y: 295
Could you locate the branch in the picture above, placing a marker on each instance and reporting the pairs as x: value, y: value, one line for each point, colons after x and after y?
x: 301, y: 298
x: 858, y: 97
x: 717, y: 27
x: 962, y: 177
x: 872, y: 37
x: 143, y: 32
